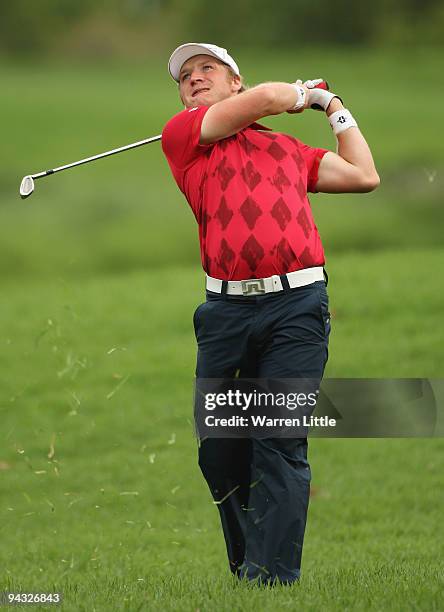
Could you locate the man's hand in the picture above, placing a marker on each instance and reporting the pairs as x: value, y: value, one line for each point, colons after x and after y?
x: 312, y: 83
x: 320, y: 98
x: 303, y: 98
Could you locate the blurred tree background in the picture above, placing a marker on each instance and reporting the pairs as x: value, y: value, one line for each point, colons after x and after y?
x: 131, y: 27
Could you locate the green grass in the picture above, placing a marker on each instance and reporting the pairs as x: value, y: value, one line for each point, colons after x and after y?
x: 102, y: 498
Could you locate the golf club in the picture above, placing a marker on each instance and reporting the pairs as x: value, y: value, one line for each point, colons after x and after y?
x: 27, y: 184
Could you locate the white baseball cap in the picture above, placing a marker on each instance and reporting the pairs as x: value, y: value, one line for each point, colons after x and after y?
x: 184, y: 52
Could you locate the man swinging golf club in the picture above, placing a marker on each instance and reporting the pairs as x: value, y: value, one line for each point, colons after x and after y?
x: 266, y: 313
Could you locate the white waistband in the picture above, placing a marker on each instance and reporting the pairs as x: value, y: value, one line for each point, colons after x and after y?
x: 259, y: 286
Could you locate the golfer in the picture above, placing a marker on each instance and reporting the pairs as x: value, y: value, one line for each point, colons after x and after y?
x: 266, y: 311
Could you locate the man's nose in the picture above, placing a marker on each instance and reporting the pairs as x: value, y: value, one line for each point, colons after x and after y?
x: 196, y: 76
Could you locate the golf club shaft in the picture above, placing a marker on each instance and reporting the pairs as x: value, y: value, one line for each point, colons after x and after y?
x: 134, y: 145
x: 140, y: 143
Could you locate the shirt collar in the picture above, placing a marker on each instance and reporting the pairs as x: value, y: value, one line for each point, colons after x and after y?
x: 258, y: 126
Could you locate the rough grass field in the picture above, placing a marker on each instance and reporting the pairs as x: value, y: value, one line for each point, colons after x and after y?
x: 101, y: 494
x: 101, y: 497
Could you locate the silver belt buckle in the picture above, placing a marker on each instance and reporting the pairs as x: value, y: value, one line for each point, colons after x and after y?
x: 275, y: 279
x: 253, y: 286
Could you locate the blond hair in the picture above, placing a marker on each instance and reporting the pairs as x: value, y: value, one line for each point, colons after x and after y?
x: 232, y: 74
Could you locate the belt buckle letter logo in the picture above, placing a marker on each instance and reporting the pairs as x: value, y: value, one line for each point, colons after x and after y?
x: 253, y: 286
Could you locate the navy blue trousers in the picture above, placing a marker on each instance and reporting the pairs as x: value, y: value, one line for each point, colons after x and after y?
x: 277, y: 335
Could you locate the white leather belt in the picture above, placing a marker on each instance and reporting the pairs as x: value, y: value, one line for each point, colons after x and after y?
x: 272, y: 284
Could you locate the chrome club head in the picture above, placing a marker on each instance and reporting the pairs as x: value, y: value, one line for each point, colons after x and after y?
x: 26, y: 186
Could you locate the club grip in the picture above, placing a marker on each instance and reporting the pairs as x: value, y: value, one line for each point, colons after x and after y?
x: 323, y: 85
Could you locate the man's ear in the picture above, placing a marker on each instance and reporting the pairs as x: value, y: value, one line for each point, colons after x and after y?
x: 236, y: 84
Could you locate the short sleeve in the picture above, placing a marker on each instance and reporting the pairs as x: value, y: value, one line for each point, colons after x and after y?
x: 180, y: 137
x: 312, y: 157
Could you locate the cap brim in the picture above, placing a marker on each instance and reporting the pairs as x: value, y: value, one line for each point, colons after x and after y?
x: 183, y: 54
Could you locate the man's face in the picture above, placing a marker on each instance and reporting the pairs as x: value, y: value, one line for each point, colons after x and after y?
x: 204, y: 80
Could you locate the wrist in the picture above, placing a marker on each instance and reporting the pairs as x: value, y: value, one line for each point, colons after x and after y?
x: 335, y: 105
x: 301, y: 97
x: 341, y: 120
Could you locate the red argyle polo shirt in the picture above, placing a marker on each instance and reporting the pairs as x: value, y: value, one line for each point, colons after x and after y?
x: 248, y: 193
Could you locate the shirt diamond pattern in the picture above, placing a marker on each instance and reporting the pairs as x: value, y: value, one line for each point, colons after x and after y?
x: 276, y: 151
x: 280, y: 180
x: 248, y: 193
x: 225, y: 173
x: 250, y: 175
x: 250, y: 211
x: 224, y: 214
x: 252, y: 252
x: 281, y: 213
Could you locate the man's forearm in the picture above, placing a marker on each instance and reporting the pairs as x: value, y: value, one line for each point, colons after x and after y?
x: 352, y: 145
x: 280, y: 96
x: 236, y: 112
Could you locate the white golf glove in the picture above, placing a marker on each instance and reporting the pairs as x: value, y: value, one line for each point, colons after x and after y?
x: 319, y: 98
